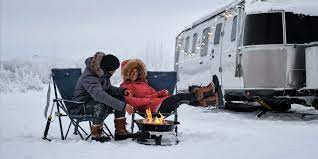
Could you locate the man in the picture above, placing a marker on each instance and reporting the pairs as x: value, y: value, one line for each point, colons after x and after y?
x: 94, y: 88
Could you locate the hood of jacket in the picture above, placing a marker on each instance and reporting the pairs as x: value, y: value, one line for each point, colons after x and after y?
x: 128, y: 65
x: 93, y: 64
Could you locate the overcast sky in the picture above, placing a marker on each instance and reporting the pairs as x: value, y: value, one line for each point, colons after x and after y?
x: 78, y: 28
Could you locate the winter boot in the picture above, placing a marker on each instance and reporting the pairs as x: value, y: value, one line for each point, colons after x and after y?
x: 97, y: 133
x: 216, y: 83
x: 203, y: 92
x: 120, y: 129
x: 209, y: 101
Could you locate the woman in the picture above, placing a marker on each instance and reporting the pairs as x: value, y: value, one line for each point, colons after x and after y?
x: 142, y: 96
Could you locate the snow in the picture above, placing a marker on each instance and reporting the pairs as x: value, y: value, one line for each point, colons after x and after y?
x: 215, y: 12
x: 203, y: 133
x: 307, y: 7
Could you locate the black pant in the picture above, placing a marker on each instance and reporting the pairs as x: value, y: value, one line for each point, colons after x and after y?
x: 99, y: 111
x: 173, y: 102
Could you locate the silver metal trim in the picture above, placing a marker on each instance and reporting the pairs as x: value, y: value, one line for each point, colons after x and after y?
x: 284, y: 27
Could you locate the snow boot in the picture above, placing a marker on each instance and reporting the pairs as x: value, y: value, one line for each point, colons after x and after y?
x: 209, y: 101
x: 120, y: 129
x: 97, y: 133
x: 216, y: 83
x: 203, y: 92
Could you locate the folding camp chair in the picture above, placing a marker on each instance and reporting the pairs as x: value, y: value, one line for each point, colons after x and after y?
x: 64, y: 80
x: 160, y: 80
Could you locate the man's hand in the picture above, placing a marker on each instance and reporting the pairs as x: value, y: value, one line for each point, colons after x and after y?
x: 164, y: 93
x: 129, y: 109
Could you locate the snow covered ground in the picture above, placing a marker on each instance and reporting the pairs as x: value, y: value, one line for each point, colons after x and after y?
x: 203, y: 134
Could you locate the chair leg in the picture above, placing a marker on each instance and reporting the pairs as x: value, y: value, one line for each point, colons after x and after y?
x: 176, y: 120
x: 75, y: 124
x: 88, y: 136
x: 68, y: 129
x: 90, y: 127
x: 132, y: 122
x: 60, y: 121
x: 76, y: 128
x: 110, y: 134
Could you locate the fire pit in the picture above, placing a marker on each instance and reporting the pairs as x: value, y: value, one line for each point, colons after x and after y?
x: 154, y: 129
x: 165, y: 127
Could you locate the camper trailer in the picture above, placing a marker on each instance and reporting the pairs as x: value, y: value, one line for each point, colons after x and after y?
x: 259, y: 54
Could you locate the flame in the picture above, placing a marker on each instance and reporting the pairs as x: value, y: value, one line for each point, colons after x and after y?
x: 149, y: 118
x: 160, y: 120
x: 156, y: 120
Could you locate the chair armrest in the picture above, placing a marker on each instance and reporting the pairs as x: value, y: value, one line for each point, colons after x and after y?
x: 69, y: 101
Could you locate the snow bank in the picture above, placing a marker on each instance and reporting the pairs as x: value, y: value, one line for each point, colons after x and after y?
x: 25, y: 74
x: 30, y: 73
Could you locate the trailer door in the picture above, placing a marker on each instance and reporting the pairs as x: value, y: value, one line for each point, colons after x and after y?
x: 190, y: 71
x: 216, y: 48
x: 228, y: 56
x: 202, y: 64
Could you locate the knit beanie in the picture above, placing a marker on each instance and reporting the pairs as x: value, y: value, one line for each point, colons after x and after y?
x: 109, y: 63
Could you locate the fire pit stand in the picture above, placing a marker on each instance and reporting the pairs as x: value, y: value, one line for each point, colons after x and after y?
x: 151, y: 134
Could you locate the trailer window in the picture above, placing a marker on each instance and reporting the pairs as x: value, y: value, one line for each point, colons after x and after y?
x: 194, y: 43
x: 264, y: 28
x: 301, y: 29
x: 186, y: 47
x: 234, y: 26
x: 205, y: 42
x: 217, y: 34
x: 178, y: 49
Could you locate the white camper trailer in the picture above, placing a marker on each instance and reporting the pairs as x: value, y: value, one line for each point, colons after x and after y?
x: 258, y: 53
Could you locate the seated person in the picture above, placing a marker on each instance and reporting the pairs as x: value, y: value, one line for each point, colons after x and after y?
x: 142, y: 96
x: 100, y: 97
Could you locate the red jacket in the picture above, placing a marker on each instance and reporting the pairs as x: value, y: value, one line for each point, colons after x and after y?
x: 144, y: 96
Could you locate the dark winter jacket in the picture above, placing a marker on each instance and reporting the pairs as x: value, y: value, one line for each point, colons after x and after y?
x: 94, y: 84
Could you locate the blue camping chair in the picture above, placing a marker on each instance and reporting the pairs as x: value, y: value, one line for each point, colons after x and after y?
x: 159, y: 81
x: 64, y: 80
